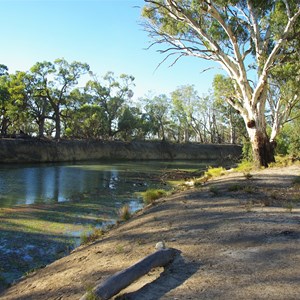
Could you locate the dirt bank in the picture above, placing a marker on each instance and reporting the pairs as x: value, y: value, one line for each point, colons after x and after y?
x: 35, y: 151
x: 239, y: 239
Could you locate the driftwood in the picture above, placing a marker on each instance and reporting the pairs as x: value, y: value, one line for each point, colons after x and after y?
x: 117, y: 282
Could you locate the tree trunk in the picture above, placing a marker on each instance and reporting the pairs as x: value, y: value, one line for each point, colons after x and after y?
x: 57, y: 124
x: 41, y: 124
x: 263, y: 150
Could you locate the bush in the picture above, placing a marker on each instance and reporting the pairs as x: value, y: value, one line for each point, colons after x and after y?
x: 153, y: 194
x: 89, y: 237
x: 125, y: 213
x: 245, y: 166
x: 247, y: 150
x: 214, y: 172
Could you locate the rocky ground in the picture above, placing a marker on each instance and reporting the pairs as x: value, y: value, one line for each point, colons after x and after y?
x: 239, y: 238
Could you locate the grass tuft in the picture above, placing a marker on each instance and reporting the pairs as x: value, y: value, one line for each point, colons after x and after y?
x: 214, y: 172
x: 125, y: 213
x: 245, y: 167
x: 151, y: 195
x: 89, y: 237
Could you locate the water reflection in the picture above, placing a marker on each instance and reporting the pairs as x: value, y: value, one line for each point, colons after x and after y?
x: 93, y: 182
x: 50, y: 184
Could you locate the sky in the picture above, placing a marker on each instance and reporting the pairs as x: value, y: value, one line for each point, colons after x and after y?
x: 106, y: 34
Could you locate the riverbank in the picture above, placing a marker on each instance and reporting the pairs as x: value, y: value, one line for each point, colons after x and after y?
x: 238, y: 235
x: 33, y: 150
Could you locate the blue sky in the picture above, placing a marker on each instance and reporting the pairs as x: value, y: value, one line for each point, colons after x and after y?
x: 105, y: 34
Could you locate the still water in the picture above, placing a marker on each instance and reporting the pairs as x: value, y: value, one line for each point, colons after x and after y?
x: 45, y: 210
x: 97, y: 181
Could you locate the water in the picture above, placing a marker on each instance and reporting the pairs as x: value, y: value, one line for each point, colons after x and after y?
x: 44, y: 209
x: 102, y: 182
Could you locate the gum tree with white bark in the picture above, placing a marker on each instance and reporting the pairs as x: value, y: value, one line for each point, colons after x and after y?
x: 247, y: 38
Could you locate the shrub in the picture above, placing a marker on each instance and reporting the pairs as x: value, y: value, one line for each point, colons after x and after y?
x: 281, y: 161
x: 245, y: 166
x: 125, y: 213
x: 214, y: 172
x: 89, y: 237
x: 153, y: 194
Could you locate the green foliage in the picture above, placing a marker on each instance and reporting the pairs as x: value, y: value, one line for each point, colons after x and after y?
x: 288, y: 141
x: 215, y: 172
x: 245, y: 166
x: 151, y: 195
x: 247, y: 151
x: 281, y: 161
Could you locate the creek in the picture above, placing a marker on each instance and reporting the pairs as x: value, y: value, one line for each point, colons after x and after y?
x: 46, y: 208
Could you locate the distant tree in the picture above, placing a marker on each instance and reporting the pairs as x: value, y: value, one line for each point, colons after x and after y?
x: 54, y: 82
x: 3, y: 70
x: 183, y: 100
x: 111, y: 96
x: 86, y: 122
x: 129, y: 123
x: 234, y: 34
x: 4, y: 105
x: 223, y: 88
x: 158, y: 110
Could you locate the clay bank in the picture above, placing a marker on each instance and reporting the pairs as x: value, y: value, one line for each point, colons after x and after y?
x: 36, y: 151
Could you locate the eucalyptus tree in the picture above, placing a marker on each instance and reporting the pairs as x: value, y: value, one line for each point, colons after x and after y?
x: 86, y: 122
x: 158, y: 110
x: 223, y: 88
x: 4, y: 105
x: 3, y: 70
x: 14, y: 115
x: 130, y: 123
x: 54, y: 83
x: 183, y: 100
x: 111, y: 95
x: 235, y: 34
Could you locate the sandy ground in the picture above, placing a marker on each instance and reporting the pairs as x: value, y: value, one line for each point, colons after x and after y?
x: 239, y: 239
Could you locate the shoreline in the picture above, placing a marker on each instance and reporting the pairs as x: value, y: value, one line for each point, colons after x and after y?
x: 228, y: 233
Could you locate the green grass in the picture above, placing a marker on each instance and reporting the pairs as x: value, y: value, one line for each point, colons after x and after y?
x: 151, y: 195
x: 281, y: 161
x: 245, y: 167
x: 215, y: 172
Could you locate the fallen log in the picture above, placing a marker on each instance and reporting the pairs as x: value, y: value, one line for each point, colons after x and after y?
x: 117, y: 282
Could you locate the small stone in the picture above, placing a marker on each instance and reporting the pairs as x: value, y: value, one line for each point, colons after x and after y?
x: 160, y: 245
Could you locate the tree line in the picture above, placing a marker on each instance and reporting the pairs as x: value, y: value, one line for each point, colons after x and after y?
x: 47, y: 101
